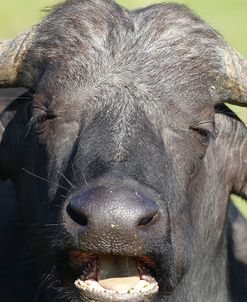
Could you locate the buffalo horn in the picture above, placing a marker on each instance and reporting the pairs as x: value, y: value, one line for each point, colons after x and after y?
x: 231, y: 78
x: 13, y: 56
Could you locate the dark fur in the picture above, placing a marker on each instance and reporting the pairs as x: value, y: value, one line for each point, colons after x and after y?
x: 237, y: 251
x: 18, y: 276
x: 119, y: 100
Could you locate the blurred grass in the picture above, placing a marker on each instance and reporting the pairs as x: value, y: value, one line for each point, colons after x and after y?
x: 226, y: 16
x: 18, y: 15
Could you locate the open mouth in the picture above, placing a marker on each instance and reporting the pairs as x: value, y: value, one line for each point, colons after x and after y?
x: 109, y: 278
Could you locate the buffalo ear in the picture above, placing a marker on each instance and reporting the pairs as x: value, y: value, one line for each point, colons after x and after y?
x: 240, y: 182
x: 231, y: 151
x: 243, y: 191
x: 13, y: 124
x: 238, y: 159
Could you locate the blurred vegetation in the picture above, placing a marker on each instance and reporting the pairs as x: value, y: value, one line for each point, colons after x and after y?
x: 227, y: 16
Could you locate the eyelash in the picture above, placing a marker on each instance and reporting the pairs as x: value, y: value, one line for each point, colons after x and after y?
x: 44, y: 117
x: 205, y: 134
x: 39, y: 119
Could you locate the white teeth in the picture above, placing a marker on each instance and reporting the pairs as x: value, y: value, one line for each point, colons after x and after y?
x: 94, y: 284
x: 141, y: 285
x: 93, y: 290
x: 119, y: 284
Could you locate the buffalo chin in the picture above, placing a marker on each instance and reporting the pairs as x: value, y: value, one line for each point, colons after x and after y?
x: 113, y: 278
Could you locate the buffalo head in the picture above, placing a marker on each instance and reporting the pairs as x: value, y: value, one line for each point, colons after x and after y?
x: 122, y: 153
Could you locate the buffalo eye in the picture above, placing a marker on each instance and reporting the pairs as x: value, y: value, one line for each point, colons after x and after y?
x: 40, y: 118
x: 203, y: 132
x: 44, y: 117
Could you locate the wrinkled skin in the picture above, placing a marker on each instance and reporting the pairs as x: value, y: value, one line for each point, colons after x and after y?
x: 127, y: 102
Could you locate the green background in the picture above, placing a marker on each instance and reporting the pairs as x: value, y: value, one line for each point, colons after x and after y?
x: 229, y: 17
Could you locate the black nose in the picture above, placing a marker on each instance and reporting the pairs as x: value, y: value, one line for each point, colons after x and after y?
x: 101, y: 209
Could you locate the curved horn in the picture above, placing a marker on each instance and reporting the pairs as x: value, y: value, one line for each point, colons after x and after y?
x: 13, y: 55
x: 231, y: 78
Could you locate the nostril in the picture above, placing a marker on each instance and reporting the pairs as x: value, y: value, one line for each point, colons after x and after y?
x: 146, y: 220
x: 79, y: 218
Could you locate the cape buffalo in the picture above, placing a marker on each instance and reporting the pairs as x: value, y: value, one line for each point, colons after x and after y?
x: 122, y: 153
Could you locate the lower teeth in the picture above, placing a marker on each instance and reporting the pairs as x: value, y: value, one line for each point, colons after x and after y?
x: 116, y: 278
x: 139, y: 287
x: 119, y: 284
